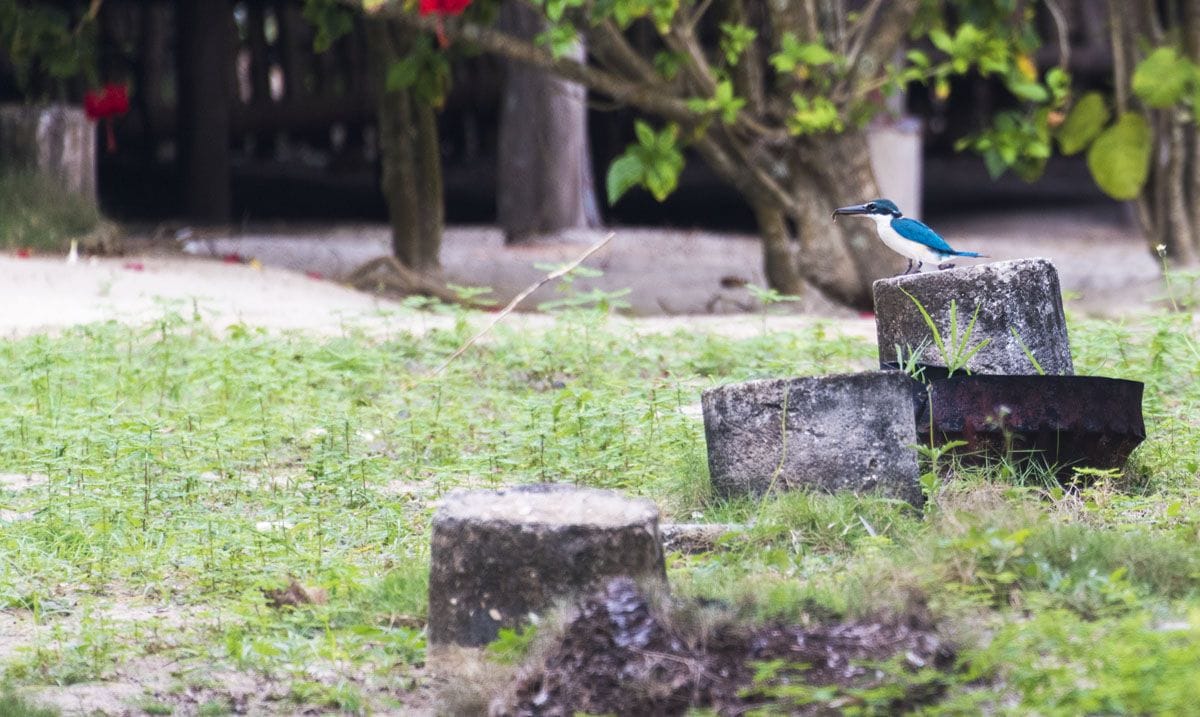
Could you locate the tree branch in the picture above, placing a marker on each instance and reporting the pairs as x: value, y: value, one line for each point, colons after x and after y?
x: 1064, y: 39
x: 607, y: 41
x: 645, y: 95
x: 743, y: 173
x: 892, y: 29
x: 859, y: 32
x: 649, y: 99
x: 556, y: 274
x: 682, y: 40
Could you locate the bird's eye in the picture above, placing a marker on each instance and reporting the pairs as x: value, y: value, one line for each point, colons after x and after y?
x: 871, y: 207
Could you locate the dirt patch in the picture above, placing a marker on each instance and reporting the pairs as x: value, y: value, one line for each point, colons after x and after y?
x: 622, y: 653
x: 21, y: 481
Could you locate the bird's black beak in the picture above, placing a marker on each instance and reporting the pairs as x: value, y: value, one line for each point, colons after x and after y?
x: 852, y: 209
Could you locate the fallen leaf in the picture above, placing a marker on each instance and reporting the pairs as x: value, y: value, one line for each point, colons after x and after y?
x: 294, y: 595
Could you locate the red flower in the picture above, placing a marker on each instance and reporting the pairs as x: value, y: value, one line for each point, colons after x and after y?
x: 110, y: 102
x: 113, y: 100
x: 442, y: 7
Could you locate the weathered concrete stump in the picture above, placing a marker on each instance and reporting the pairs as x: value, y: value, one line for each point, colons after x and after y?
x: 847, y: 432
x: 500, y: 557
x: 1021, y: 297
x: 55, y: 140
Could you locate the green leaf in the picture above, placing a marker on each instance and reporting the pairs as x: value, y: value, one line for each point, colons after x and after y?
x: 918, y: 59
x: 1026, y: 90
x: 561, y: 39
x: 813, y: 115
x: 667, y: 64
x: 556, y: 8
x: 1059, y: 83
x: 403, y: 74
x: 793, y: 53
x: 1162, y: 79
x: 655, y: 163
x: 645, y: 133
x: 624, y: 174
x: 331, y: 19
x: 735, y: 38
x: 1084, y: 122
x: 1119, y: 159
x: 942, y: 41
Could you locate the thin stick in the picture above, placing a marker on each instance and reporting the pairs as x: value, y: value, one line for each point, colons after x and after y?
x: 557, y: 273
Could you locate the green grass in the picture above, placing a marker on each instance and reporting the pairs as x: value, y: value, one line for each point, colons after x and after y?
x: 36, y: 214
x: 12, y: 705
x: 186, y: 470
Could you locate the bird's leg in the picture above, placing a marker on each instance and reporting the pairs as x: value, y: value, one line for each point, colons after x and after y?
x: 946, y: 265
x: 909, y: 269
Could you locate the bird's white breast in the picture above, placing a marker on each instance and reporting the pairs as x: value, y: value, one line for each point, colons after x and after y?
x: 904, y: 247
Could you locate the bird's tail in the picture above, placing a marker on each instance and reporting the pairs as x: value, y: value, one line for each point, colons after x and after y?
x: 974, y: 254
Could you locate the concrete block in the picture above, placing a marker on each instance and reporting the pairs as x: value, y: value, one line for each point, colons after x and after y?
x: 847, y: 432
x: 55, y: 140
x: 1022, y: 295
x: 501, y: 558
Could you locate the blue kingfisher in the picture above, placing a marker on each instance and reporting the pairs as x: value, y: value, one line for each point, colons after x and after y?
x: 907, y: 237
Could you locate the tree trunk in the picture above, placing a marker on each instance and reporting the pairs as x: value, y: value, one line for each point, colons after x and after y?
x: 205, y: 30
x: 843, y: 258
x: 544, y: 171
x: 412, y: 169
x: 1167, y: 209
x: 801, y: 242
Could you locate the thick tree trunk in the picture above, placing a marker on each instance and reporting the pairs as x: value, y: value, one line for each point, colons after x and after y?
x: 412, y: 169
x: 841, y: 259
x: 544, y: 172
x: 801, y: 242
x: 205, y: 30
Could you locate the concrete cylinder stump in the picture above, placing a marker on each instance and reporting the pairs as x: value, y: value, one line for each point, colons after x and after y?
x: 55, y: 140
x: 501, y: 557
x: 847, y: 432
x: 1020, y: 302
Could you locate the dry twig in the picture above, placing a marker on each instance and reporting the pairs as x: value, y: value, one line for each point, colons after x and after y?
x: 557, y: 273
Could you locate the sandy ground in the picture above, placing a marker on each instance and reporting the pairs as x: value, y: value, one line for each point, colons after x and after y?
x: 685, y: 275
x: 1103, y: 265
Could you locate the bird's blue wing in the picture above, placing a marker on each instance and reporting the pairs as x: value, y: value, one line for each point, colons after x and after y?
x: 914, y: 230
